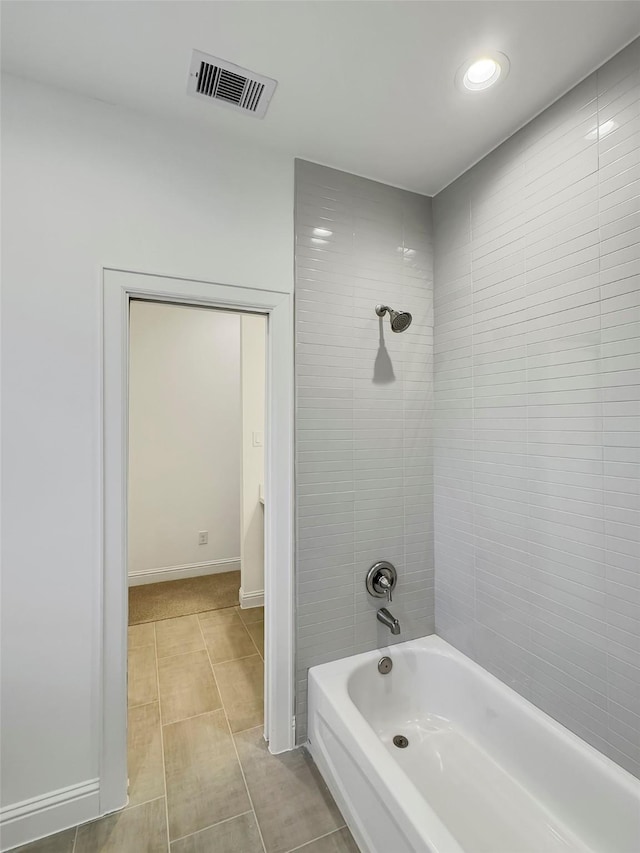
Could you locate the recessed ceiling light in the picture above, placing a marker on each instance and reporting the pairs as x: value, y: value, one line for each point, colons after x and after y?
x: 319, y: 241
x: 481, y: 73
x: 322, y: 232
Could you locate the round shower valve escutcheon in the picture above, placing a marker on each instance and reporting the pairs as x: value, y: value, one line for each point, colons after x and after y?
x: 381, y: 579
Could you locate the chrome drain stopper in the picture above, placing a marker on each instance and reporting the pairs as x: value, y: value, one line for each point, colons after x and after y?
x: 400, y: 741
x: 385, y: 665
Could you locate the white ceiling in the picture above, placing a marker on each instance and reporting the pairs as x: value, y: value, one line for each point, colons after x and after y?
x: 367, y: 87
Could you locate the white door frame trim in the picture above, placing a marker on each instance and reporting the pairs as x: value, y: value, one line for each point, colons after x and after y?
x: 118, y: 288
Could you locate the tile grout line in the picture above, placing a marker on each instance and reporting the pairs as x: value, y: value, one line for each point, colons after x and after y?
x: 131, y: 808
x: 248, y: 632
x: 244, y: 779
x: 248, y: 729
x: 179, y: 654
x: 250, y: 637
x: 211, y: 825
x: 235, y: 748
x: 143, y: 704
x: 182, y: 616
x: 233, y: 660
x: 318, y: 838
x: 99, y: 819
x: 164, y: 768
x: 195, y: 651
x: 195, y: 717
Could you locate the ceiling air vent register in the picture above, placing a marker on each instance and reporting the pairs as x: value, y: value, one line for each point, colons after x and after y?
x: 239, y: 88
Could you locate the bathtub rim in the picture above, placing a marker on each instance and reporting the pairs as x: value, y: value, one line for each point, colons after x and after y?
x: 327, y: 674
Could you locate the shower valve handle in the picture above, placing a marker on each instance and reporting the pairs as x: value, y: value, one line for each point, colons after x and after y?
x: 385, y: 584
x: 381, y: 580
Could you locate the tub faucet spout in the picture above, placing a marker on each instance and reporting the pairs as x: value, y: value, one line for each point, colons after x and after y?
x: 387, y: 619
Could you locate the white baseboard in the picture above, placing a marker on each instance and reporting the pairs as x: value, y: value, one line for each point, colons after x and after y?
x: 251, y: 599
x: 40, y: 816
x: 189, y: 570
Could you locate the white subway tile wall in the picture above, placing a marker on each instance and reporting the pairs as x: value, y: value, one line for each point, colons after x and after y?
x: 537, y: 422
x: 364, y: 414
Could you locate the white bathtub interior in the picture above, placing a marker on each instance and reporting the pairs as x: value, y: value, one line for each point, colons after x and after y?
x: 496, y: 772
x: 485, y: 807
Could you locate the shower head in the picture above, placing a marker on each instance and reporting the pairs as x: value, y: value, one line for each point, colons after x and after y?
x: 400, y: 320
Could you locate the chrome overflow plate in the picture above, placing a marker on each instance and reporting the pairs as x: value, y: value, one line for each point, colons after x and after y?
x: 381, y: 579
x: 385, y: 665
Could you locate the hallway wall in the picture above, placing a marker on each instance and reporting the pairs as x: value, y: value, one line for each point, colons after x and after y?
x: 184, y: 439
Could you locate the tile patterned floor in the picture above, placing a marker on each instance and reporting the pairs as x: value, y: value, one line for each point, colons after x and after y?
x: 201, y: 779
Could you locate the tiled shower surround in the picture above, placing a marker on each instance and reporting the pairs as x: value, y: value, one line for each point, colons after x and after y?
x: 364, y: 414
x: 536, y: 416
x: 537, y: 443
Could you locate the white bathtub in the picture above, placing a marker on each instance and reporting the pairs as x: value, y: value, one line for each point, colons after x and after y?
x: 485, y: 771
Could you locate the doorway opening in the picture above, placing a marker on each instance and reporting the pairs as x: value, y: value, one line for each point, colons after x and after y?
x: 198, y: 481
x: 195, y: 518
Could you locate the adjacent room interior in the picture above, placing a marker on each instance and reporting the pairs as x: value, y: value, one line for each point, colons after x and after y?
x: 195, y: 528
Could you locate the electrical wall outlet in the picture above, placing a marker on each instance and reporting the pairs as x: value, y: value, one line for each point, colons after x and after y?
x: 203, y: 537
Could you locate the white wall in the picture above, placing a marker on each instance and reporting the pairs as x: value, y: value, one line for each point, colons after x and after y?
x: 184, y: 437
x: 253, y: 366
x: 86, y: 184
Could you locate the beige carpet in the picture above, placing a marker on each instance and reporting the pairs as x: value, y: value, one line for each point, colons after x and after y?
x: 154, y: 601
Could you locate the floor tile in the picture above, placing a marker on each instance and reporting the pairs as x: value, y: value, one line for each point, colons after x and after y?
x: 141, y: 635
x: 251, y: 614
x: 238, y: 835
x: 144, y: 754
x: 61, y: 842
x: 187, y: 686
x: 143, y: 678
x: 227, y: 638
x: 212, y: 616
x: 204, y: 780
x: 256, y: 629
x: 177, y: 636
x: 141, y: 829
x: 292, y: 803
x: 338, y: 842
x: 241, y: 685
